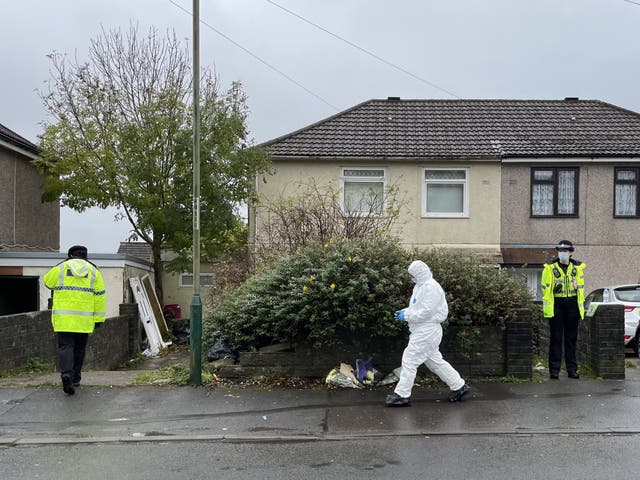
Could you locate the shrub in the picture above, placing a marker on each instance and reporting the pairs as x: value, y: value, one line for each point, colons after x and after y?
x: 337, y: 293
x: 477, y: 294
x: 345, y: 292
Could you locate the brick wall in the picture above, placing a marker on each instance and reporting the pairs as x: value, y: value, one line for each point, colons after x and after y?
x: 492, y: 352
x: 600, y: 341
x: 24, y: 336
x: 519, y: 345
x: 482, y: 353
x: 30, y: 335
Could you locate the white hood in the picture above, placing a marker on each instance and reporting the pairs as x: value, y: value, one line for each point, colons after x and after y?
x: 420, y: 271
x: 428, y: 303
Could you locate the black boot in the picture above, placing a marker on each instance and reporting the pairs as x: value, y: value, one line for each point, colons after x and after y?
x: 67, y: 386
x: 457, y: 395
x: 395, y: 400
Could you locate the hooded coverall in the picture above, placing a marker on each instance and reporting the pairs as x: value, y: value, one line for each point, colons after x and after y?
x: 426, y: 311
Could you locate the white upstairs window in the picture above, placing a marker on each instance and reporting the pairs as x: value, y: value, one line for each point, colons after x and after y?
x: 445, y: 192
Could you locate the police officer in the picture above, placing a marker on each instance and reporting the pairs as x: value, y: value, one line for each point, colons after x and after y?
x: 563, y: 305
x: 79, y: 304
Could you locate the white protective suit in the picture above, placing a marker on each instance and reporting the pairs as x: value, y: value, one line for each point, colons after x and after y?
x: 426, y: 311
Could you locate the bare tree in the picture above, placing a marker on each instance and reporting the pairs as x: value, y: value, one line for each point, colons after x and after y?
x: 317, y: 214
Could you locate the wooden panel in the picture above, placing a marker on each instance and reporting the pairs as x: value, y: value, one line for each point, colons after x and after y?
x: 155, y: 306
x: 11, y: 271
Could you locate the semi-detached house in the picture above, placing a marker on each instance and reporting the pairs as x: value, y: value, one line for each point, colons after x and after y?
x: 502, y: 179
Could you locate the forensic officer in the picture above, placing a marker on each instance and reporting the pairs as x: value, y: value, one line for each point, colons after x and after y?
x: 563, y: 305
x: 79, y: 304
x: 426, y: 311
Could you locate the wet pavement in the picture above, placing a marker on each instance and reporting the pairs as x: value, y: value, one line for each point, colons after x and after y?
x: 106, y: 408
x: 586, y: 429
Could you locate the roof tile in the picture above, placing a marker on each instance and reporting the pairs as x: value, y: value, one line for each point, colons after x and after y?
x: 468, y: 129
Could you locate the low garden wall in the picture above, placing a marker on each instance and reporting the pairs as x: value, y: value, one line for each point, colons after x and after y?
x: 489, y: 351
x: 600, y: 341
x: 27, y: 336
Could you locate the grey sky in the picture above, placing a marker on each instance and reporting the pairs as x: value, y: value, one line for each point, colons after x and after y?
x: 524, y: 49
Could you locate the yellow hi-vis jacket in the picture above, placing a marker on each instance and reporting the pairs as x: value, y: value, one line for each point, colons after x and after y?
x: 557, y: 283
x: 79, y: 298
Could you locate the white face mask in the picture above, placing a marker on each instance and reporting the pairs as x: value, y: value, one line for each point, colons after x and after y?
x: 563, y: 256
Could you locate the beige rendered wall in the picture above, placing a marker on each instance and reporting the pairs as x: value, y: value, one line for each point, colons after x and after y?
x: 480, y: 231
x: 609, y: 246
x: 174, y: 293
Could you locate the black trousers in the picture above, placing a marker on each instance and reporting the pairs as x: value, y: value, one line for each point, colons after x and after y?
x: 563, y: 328
x: 71, y: 349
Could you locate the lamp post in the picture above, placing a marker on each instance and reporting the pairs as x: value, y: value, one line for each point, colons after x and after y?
x: 195, y: 335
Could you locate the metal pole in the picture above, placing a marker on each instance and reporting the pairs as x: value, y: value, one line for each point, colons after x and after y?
x: 195, y: 335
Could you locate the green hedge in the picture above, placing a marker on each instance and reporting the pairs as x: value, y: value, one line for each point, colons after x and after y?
x: 345, y: 293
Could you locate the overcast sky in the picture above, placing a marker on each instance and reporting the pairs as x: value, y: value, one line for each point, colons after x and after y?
x: 507, y: 49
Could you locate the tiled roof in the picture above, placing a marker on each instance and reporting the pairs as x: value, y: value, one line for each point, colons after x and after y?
x: 12, y: 137
x: 136, y: 249
x: 468, y: 129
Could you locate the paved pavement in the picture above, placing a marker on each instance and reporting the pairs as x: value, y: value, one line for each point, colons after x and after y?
x: 107, y: 408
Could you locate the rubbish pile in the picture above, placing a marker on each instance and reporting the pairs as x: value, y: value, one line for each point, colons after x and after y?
x: 221, y: 350
x: 364, y: 375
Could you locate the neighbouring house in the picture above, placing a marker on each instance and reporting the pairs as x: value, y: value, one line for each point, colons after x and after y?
x: 30, y: 237
x: 177, y: 287
x: 502, y: 179
x: 28, y: 223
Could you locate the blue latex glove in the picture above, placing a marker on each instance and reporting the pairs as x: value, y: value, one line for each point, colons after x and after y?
x: 399, y: 315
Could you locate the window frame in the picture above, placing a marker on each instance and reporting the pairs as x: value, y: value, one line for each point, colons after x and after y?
x: 635, y: 182
x: 465, y: 192
x: 554, y: 182
x: 531, y: 277
x: 181, y: 284
x: 349, y: 179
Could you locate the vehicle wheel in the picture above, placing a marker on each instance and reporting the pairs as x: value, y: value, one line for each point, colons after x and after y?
x: 634, y: 344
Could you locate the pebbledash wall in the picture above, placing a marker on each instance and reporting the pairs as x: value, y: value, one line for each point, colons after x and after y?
x: 27, y: 336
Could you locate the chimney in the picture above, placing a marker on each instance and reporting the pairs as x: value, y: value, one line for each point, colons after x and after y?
x: 393, y: 99
x: 571, y: 99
